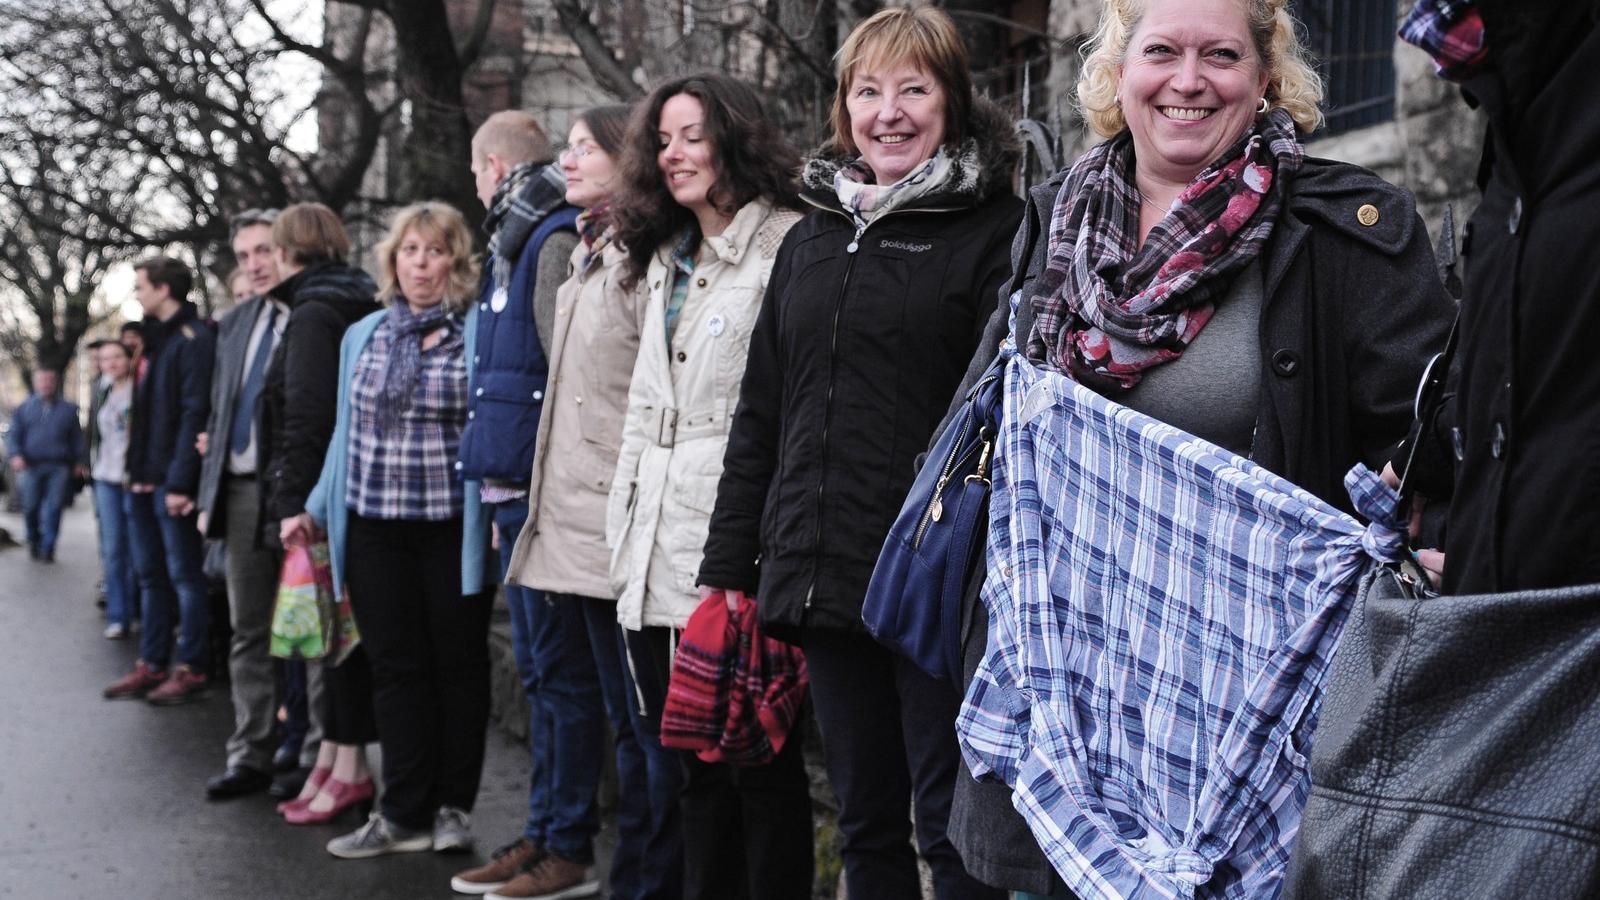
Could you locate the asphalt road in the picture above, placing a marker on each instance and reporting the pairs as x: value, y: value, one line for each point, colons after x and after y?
x: 102, y: 799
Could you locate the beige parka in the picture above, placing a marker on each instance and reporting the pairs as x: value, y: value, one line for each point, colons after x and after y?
x: 680, y: 407
x: 593, y: 344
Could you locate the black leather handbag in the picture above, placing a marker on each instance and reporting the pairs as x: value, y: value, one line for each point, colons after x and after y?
x: 1457, y: 753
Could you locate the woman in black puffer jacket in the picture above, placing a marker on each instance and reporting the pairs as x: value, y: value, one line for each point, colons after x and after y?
x: 875, y: 304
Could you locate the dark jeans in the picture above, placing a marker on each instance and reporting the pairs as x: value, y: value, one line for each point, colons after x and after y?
x: 747, y: 832
x: 888, y: 731
x: 633, y: 873
x: 167, y: 554
x: 647, y: 692
x: 43, y: 488
x: 429, y: 650
x: 566, y: 716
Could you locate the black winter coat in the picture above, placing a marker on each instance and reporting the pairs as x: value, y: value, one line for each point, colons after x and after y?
x: 852, y: 363
x: 1351, y: 315
x: 300, y: 395
x: 171, y: 402
x: 1526, y: 507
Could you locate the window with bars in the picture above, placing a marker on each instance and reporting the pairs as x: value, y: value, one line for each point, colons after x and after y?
x: 1352, y: 44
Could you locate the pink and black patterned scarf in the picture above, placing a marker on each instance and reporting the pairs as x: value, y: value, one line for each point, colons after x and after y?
x: 1106, y: 309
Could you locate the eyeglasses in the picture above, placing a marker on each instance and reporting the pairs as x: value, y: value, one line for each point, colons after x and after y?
x: 577, y: 151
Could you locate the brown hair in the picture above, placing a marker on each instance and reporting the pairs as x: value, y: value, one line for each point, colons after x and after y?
x: 168, y: 272
x: 753, y: 160
x: 310, y: 233
x: 514, y: 136
x: 920, y: 36
x: 608, y: 124
x: 436, y: 219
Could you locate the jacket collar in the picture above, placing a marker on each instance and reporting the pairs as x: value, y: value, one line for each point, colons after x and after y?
x: 735, y: 240
x: 983, y: 165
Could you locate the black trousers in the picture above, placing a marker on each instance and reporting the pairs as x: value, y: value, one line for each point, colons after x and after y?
x: 429, y: 651
x: 747, y: 832
x: 888, y: 731
x: 347, y: 715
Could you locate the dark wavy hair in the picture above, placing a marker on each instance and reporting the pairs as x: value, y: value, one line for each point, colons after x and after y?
x: 754, y: 160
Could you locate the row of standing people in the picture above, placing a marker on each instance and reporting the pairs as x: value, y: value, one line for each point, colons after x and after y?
x: 729, y: 394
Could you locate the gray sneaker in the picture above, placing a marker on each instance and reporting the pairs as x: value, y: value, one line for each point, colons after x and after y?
x: 377, y: 837
x: 452, y: 830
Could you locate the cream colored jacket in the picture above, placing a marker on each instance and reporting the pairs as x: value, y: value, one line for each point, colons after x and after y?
x: 562, y: 548
x: 680, y: 407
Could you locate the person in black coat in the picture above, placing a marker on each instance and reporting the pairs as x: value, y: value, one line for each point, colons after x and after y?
x: 1518, y: 443
x: 875, y: 304
x: 171, y: 401
x: 325, y: 295
x: 1323, y: 336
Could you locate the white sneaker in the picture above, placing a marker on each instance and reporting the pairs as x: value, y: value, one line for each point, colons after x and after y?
x: 115, y: 632
x: 452, y: 830
x: 378, y: 837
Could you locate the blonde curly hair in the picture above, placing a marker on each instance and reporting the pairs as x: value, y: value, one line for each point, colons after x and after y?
x: 1292, y: 83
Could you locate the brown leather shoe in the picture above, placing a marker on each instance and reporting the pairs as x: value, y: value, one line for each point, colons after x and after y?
x: 550, y: 877
x: 134, y: 684
x: 501, y: 868
x: 183, y: 685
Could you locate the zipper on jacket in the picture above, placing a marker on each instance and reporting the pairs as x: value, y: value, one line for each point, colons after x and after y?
x: 833, y: 352
x: 827, y: 408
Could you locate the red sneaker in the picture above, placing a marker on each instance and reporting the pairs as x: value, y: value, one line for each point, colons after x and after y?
x: 135, y: 683
x: 183, y: 685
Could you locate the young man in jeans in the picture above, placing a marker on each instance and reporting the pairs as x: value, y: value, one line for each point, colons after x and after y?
x: 170, y: 404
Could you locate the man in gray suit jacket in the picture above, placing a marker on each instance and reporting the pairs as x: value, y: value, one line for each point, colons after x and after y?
x: 230, y: 506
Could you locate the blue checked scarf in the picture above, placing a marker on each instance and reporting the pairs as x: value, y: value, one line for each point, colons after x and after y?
x: 527, y: 194
x: 1106, y: 309
x: 405, y: 359
x: 1162, y: 619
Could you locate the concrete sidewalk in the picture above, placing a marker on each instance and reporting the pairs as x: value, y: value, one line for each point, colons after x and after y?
x: 102, y: 799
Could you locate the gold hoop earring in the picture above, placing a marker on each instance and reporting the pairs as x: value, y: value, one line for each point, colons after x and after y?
x: 1262, y: 109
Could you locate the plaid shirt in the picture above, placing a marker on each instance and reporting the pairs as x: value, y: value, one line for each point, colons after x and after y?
x: 1162, y: 617
x: 409, y: 474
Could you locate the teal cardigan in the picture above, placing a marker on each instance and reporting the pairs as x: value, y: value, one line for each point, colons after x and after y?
x: 326, y: 503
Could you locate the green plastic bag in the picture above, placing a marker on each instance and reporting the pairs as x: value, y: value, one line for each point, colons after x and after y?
x: 303, y: 616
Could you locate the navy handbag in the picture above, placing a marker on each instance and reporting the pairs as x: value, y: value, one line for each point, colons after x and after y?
x: 913, y: 603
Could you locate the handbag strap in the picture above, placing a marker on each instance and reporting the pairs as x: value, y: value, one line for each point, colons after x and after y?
x: 1430, y: 398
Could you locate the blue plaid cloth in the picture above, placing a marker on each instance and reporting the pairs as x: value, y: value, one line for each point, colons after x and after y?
x: 1162, y: 615
x: 409, y: 471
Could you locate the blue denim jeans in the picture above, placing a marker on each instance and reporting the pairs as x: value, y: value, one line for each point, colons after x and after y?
x: 566, y: 724
x: 636, y: 873
x: 167, y: 554
x: 122, y: 585
x: 43, y: 489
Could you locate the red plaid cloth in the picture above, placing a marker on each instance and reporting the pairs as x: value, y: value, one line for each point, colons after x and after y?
x: 734, y: 694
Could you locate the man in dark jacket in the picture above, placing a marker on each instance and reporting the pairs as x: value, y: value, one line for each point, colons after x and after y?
x: 532, y: 236
x: 230, y: 507
x: 170, y: 406
x: 46, y: 446
x: 1520, y: 440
